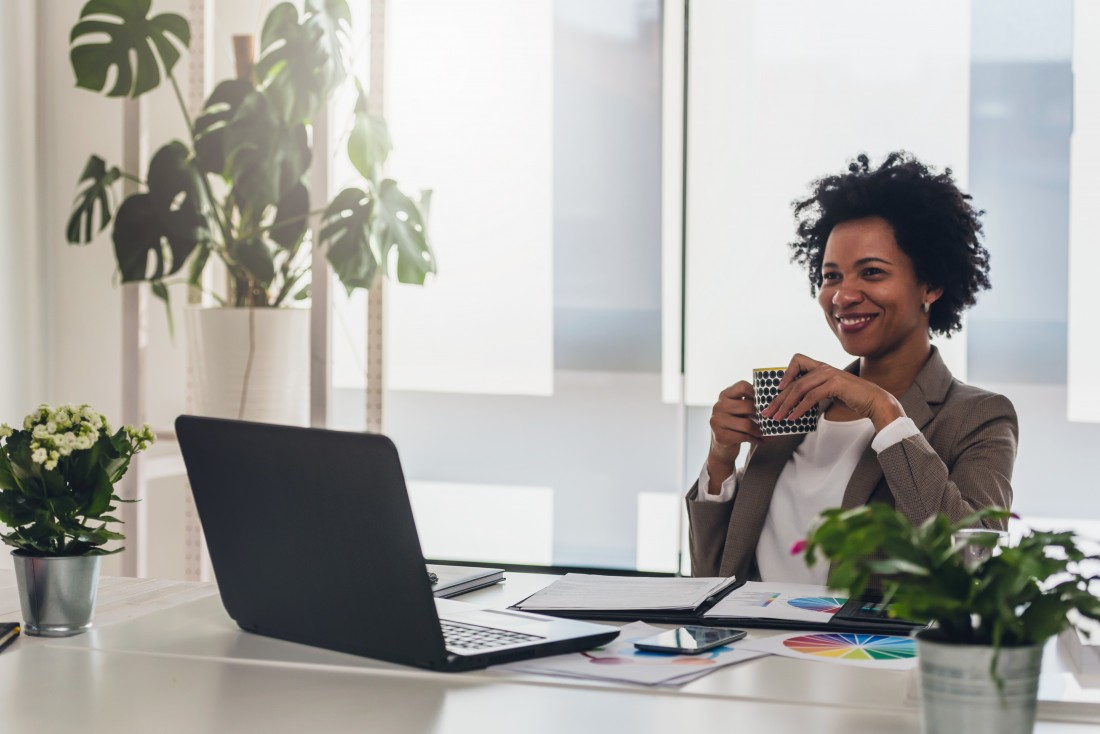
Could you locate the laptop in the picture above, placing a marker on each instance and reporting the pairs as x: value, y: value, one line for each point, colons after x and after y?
x: 312, y: 540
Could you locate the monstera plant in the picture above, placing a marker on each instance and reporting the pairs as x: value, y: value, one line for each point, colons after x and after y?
x: 236, y: 188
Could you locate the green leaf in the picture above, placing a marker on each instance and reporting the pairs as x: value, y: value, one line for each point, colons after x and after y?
x: 167, y: 222
x: 265, y: 158
x: 303, y: 59
x: 369, y: 143
x: 137, y: 46
x: 255, y: 256
x: 221, y: 107
x: 160, y: 290
x: 346, y: 235
x: 402, y: 228
x: 82, y: 222
x: 291, y: 217
x: 8, y: 478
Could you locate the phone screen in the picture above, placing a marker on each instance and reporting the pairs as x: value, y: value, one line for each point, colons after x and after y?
x: 689, y: 640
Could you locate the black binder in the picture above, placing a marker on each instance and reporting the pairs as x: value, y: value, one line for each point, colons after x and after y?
x: 861, y: 615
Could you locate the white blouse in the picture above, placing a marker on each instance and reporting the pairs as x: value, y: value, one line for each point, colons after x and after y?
x: 813, y: 480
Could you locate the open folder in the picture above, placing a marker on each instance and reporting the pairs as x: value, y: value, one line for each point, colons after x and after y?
x: 720, y: 602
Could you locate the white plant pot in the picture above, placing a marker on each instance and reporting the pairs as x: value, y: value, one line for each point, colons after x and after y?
x: 959, y: 695
x: 277, y: 388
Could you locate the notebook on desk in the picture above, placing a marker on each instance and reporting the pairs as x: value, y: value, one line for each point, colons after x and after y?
x: 722, y: 602
x: 312, y: 540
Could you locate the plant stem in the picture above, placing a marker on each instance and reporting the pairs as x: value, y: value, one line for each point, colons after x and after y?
x: 183, y: 106
x: 227, y: 236
x: 132, y: 177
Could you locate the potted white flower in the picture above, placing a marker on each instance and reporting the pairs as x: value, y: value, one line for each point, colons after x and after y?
x: 57, y: 493
x: 993, y: 612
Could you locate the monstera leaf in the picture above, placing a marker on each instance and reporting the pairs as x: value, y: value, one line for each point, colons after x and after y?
x: 291, y: 217
x: 345, y: 233
x: 167, y: 222
x: 362, y: 232
x: 134, y: 44
x: 265, y: 159
x: 303, y: 60
x: 369, y: 142
x: 210, y: 127
x: 399, y: 226
x: 95, y: 193
x: 255, y: 256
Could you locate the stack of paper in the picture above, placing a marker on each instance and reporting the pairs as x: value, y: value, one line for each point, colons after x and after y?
x: 776, y: 601
x: 592, y: 593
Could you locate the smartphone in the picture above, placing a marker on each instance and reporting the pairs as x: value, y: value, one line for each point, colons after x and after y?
x: 689, y: 640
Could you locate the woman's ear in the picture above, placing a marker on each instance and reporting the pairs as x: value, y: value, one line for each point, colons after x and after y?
x: 931, y: 295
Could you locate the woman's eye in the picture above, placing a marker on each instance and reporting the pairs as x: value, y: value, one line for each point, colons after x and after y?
x: 873, y: 271
x: 826, y: 277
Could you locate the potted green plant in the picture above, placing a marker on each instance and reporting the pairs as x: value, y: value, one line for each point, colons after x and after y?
x: 57, y: 480
x: 236, y: 190
x: 993, y: 607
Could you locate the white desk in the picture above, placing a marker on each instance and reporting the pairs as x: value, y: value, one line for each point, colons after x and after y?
x: 164, y: 657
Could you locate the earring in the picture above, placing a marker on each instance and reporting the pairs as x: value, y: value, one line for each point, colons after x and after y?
x: 926, y: 306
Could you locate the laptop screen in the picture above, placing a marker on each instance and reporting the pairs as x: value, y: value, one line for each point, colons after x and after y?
x: 311, y: 536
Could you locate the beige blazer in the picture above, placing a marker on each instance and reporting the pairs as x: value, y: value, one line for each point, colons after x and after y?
x: 961, y: 461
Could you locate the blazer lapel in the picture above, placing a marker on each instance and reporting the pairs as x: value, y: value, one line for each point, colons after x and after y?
x: 752, y: 500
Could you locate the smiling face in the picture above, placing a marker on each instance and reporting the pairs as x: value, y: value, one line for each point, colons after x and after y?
x: 870, y: 293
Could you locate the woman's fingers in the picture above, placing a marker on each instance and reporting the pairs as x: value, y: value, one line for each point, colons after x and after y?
x: 807, y: 382
x: 789, y: 404
x: 733, y: 420
x: 799, y: 365
x: 737, y: 391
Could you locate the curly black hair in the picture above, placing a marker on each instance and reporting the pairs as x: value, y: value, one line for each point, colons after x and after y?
x: 933, y: 222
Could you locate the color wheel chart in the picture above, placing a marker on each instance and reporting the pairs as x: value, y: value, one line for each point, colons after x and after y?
x: 827, y: 604
x: 853, y: 646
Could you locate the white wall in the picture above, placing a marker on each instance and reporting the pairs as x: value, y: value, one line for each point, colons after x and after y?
x: 21, y: 319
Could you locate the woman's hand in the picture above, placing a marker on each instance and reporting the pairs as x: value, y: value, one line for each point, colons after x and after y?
x: 732, y: 422
x: 806, y: 382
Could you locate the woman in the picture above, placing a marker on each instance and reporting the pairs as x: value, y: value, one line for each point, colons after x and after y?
x: 894, y: 254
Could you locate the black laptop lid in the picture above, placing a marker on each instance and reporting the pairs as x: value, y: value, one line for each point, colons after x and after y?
x: 312, y: 538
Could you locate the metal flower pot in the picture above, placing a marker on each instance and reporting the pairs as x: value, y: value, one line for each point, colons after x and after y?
x: 959, y: 694
x: 57, y: 593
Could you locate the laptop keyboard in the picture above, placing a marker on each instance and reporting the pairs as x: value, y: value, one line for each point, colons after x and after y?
x: 458, y: 636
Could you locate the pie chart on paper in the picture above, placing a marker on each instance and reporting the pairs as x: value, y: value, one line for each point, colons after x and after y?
x: 853, y: 646
x: 827, y: 604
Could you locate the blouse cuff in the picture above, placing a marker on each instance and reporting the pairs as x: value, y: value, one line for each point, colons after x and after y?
x: 725, y: 495
x: 895, y: 432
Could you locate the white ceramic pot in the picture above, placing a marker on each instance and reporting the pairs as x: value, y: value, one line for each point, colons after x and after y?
x: 277, y: 387
x: 960, y: 696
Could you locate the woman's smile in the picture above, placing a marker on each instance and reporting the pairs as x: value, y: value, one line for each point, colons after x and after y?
x: 850, y: 323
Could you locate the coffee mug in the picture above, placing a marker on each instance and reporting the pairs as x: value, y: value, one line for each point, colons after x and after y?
x: 765, y: 381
